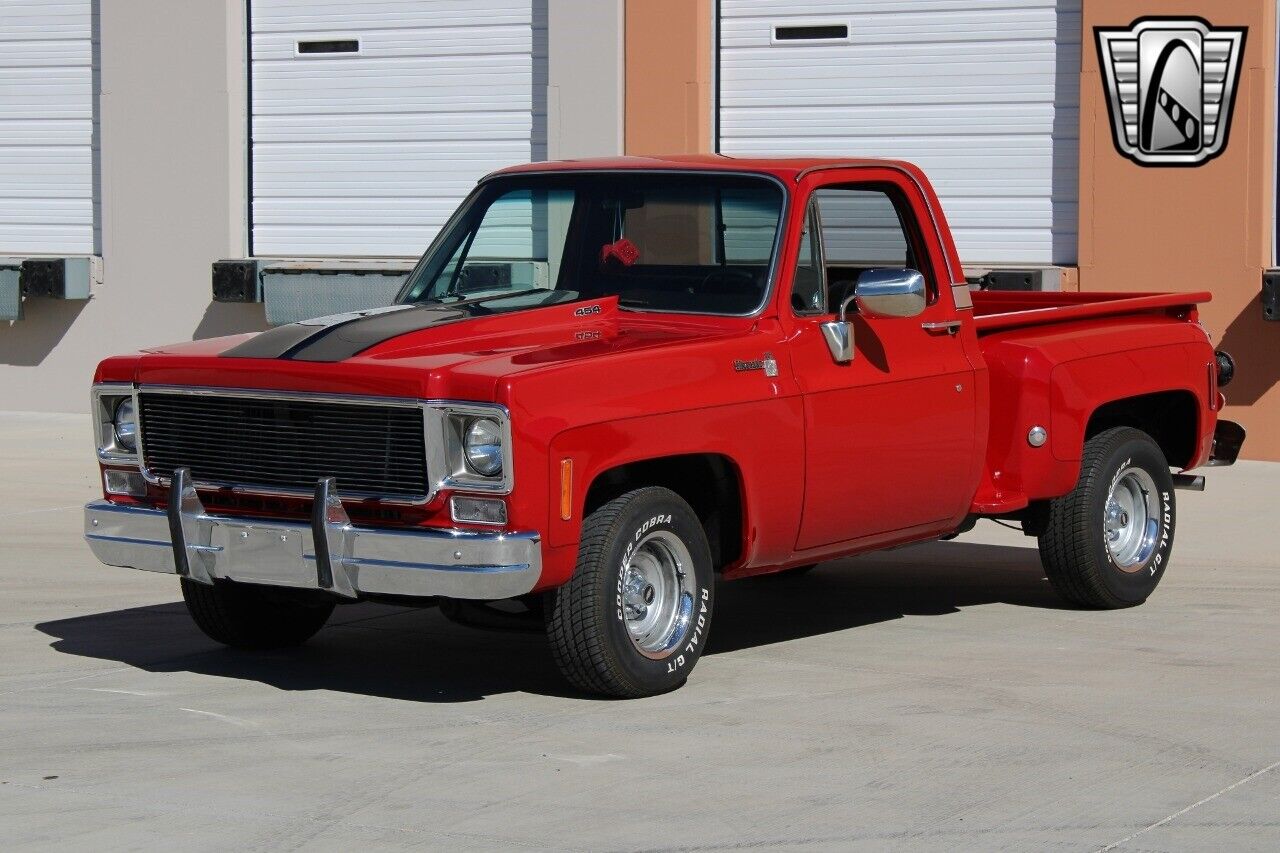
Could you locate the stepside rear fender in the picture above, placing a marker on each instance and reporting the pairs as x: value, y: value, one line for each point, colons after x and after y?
x: 1058, y: 377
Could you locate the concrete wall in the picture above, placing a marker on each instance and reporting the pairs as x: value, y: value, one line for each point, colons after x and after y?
x: 1204, y: 228
x: 172, y: 113
x: 584, y: 70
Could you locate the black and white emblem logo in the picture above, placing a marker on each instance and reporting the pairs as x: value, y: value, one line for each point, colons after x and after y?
x: 1171, y: 86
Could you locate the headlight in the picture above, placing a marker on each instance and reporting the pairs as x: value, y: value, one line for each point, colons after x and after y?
x: 125, y: 423
x: 483, y: 447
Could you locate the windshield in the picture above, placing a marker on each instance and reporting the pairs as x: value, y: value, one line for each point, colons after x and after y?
x: 692, y: 243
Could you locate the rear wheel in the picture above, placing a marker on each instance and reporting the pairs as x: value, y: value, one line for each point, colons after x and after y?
x: 248, y: 617
x: 634, y: 618
x: 1107, y: 543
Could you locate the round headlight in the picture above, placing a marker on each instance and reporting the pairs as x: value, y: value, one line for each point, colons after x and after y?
x: 483, y: 447
x: 125, y: 422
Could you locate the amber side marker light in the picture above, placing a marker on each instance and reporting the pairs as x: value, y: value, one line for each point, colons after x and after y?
x: 566, y: 489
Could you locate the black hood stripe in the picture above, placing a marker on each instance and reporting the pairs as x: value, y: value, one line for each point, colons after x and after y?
x: 341, y: 336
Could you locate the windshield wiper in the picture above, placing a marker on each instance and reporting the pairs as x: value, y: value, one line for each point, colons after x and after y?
x: 478, y: 299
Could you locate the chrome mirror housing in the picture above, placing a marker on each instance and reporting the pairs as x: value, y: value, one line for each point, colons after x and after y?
x: 839, y: 336
x: 890, y: 293
x: 879, y: 293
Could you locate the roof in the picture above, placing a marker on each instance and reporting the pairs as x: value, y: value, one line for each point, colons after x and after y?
x: 786, y: 168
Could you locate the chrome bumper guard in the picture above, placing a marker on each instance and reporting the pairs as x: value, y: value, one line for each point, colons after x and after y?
x: 329, y: 554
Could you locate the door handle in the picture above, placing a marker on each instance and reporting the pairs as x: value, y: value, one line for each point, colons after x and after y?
x: 948, y: 326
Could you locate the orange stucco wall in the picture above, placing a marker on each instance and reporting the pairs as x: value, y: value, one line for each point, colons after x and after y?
x: 670, y: 61
x: 1203, y: 228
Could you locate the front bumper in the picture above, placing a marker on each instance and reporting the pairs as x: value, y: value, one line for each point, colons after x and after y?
x: 329, y: 553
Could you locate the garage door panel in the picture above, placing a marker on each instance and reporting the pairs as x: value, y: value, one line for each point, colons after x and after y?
x: 337, y: 15
x: 893, y: 120
x: 46, y: 127
x: 731, y: 9
x: 414, y: 42
x: 376, y: 127
x: 381, y: 145
x: 318, y: 239
x: 982, y: 95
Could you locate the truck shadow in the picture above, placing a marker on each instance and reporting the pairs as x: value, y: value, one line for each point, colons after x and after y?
x: 419, y: 656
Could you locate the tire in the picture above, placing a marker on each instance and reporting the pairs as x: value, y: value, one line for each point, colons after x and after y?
x: 1107, y: 544
x: 643, y: 561
x: 244, y: 617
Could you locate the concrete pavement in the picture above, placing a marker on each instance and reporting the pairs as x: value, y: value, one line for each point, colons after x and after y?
x: 927, y: 698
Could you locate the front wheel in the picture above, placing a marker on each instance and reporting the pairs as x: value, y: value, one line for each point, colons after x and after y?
x: 247, y: 617
x: 634, y: 618
x: 1107, y: 543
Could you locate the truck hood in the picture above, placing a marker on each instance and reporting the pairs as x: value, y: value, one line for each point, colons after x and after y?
x: 436, y: 351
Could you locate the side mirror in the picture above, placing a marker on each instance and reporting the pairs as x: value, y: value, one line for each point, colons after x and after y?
x: 879, y: 293
x: 890, y: 293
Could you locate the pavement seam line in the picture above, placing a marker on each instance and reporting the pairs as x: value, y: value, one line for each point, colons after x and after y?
x: 1254, y: 775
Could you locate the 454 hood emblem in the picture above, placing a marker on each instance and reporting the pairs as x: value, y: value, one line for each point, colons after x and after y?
x: 1171, y: 87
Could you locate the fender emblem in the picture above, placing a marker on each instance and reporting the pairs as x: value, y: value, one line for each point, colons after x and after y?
x: 768, y: 364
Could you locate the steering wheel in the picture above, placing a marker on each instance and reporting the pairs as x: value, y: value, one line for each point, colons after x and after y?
x: 729, y: 276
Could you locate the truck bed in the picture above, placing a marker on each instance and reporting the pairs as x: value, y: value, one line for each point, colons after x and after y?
x: 994, y: 310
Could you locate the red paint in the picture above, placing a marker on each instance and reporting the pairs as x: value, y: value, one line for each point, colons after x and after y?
x: 919, y: 431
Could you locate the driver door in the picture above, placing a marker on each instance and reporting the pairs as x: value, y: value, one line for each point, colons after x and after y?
x: 890, y: 436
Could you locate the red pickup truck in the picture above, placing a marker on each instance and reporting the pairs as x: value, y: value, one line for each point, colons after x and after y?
x: 609, y: 381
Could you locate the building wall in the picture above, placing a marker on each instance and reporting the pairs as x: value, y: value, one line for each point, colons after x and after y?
x: 172, y: 110
x: 670, y: 66
x: 1203, y: 228
x: 585, y: 77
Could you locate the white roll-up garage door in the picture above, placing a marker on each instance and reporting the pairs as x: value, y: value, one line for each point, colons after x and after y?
x: 371, y: 121
x: 46, y: 127
x: 982, y: 94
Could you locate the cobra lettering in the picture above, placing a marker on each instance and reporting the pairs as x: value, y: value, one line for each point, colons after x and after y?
x: 644, y: 528
x: 622, y: 572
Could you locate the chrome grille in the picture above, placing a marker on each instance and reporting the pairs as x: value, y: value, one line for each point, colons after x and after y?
x: 286, y: 444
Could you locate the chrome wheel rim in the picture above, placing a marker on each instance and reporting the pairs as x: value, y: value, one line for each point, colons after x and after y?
x: 1131, y: 519
x: 658, y: 593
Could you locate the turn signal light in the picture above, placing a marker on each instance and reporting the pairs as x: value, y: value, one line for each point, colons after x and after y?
x: 478, y: 510
x: 128, y: 483
x: 566, y: 489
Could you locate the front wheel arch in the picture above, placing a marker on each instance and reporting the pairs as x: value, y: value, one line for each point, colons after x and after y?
x: 711, y: 483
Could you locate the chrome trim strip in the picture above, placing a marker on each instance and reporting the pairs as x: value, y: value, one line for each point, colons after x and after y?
x: 262, y: 394
x: 421, y: 562
x: 98, y: 415
x: 435, y: 437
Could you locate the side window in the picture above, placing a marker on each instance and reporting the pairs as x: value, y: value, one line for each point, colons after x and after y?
x: 808, y: 295
x: 862, y: 229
